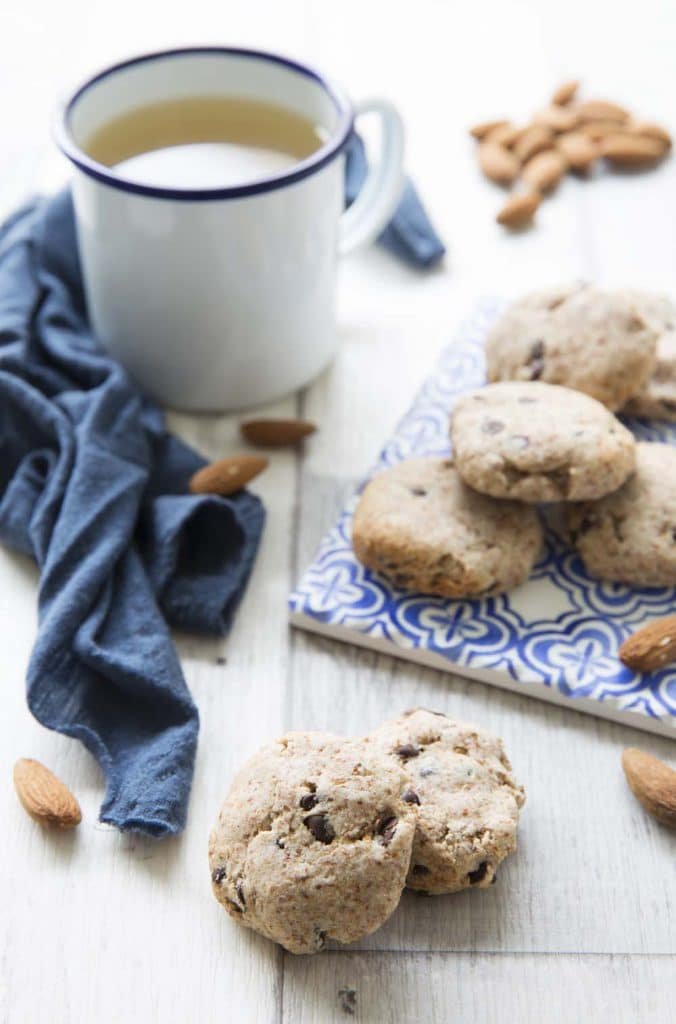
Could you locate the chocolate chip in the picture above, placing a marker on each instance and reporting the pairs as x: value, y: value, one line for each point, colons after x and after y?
x: 347, y: 997
x: 419, y: 492
x: 492, y: 426
x: 386, y: 828
x: 420, y: 869
x: 308, y: 801
x: 321, y: 828
x: 536, y: 359
x: 217, y: 875
x: 279, y: 843
x: 221, y: 661
x: 407, y: 750
x: 240, y: 893
x: 320, y: 938
x: 494, y: 879
x: 410, y: 797
x: 235, y: 906
x: 479, y: 874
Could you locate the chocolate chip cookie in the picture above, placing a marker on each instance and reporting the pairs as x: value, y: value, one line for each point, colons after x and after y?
x: 595, y: 341
x: 630, y: 536
x: 467, y: 799
x: 658, y: 400
x: 539, y: 442
x: 313, y: 841
x: 420, y: 526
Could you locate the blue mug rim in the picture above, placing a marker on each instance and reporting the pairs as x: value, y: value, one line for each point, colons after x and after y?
x: 315, y: 162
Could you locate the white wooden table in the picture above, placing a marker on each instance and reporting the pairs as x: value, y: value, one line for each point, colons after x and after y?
x: 101, y: 927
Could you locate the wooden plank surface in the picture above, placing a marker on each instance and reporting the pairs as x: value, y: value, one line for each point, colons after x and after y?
x: 582, y: 923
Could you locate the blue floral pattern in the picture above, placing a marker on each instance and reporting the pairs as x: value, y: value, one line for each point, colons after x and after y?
x: 561, y: 629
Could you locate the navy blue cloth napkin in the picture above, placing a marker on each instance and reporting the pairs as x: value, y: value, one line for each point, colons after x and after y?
x: 410, y: 234
x: 94, y: 489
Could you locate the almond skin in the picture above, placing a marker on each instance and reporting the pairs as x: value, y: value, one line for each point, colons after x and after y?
x: 653, y: 783
x: 481, y: 130
x: 578, y: 150
x: 651, y: 647
x: 276, y: 433
x: 505, y: 135
x: 226, y: 476
x: 544, y: 171
x: 565, y: 93
x: 601, y: 110
x: 625, y: 150
x: 498, y: 163
x: 598, y: 129
x: 519, y: 209
x: 559, y: 119
x: 533, y: 139
x: 46, y: 798
x: 650, y: 130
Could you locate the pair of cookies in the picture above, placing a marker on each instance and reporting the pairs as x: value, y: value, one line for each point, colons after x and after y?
x: 617, y: 346
x: 319, y: 834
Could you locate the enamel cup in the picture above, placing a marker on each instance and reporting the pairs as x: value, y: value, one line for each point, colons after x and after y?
x: 221, y: 298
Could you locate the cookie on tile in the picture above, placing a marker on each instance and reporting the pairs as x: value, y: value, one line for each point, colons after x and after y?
x: 658, y: 399
x: 539, y: 442
x: 630, y: 536
x: 584, y: 338
x: 419, y: 525
x: 468, y: 801
x: 313, y: 841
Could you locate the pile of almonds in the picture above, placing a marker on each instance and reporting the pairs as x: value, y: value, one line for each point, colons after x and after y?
x: 566, y: 136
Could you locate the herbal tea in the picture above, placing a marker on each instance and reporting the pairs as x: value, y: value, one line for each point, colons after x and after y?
x: 204, y: 142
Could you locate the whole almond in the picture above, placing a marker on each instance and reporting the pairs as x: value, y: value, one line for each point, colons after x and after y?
x: 505, y: 135
x: 625, y: 150
x: 534, y: 139
x: 225, y: 476
x: 598, y: 129
x: 650, y: 130
x: 565, y: 92
x: 653, y: 783
x: 559, y: 119
x: 651, y: 647
x: 544, y: 171
x: 519, y: 209
x: 276, y: 433
x: 481, y: 130
x: 46, y: 798
x: 601, y: 110
x: 578, y: 150
x: 498, y: 163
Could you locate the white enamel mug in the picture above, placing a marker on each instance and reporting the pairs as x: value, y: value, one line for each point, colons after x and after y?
x: 221, y: 298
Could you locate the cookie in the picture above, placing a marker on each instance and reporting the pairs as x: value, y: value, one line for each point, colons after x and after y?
x: 419, y: 525
x: 587, y: 339
x: 539, y: 442
x: 467, y: 799
x: 313, y: 841
x: 658, y: 399
x: 630, y: 536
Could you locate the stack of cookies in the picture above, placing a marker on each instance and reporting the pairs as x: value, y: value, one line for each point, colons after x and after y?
x: 560, y: 363
x: 320, y: 834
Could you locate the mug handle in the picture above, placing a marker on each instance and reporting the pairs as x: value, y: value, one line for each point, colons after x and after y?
x: 369, y: 213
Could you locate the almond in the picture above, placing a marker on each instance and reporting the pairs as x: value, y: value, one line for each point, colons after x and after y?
x: 505, y: 135
x: 481, y: 130
x: 578, y: 150
x: 276, y: 433
x: 498, y: 163
x: 559, y: 119
x: 601, y: 110
x: 534, y: 139
x: 46, y: 798
x: 565, y: 92
x: 651, y: 647
x: 625, y: 150
x: 544, y: 171
x: 518, y: 209
x: 650, y: 130
x: 653, y: 783
x: 599, y: 129
x: 227, y: 475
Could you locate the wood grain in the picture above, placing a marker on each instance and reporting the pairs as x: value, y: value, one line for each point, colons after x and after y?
x: 582, y: 923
